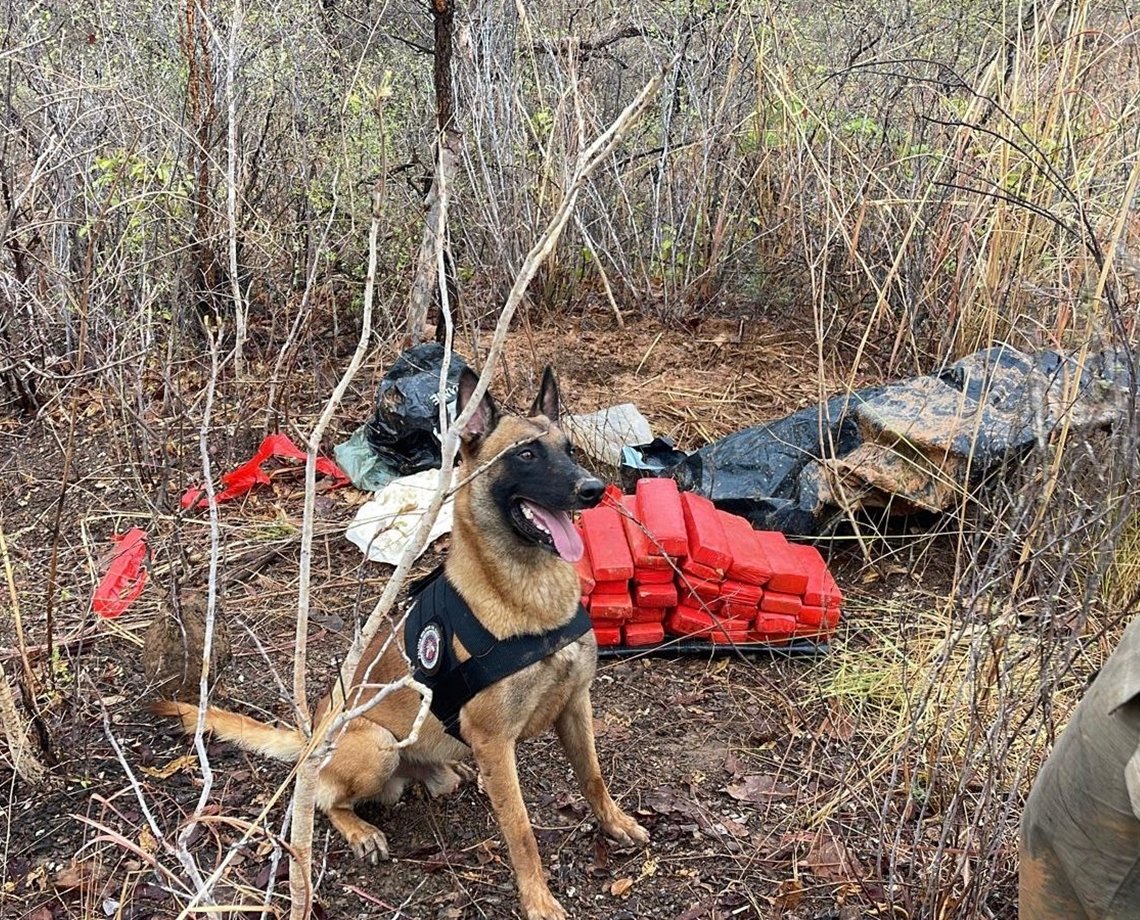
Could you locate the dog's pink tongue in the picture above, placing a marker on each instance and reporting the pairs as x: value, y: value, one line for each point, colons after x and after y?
x: 566, y: 538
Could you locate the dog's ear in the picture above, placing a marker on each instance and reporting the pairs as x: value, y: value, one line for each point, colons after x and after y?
x: 546, y: 402
x: 486, y: 415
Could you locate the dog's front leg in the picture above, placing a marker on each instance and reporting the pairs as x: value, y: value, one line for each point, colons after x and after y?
x: 496, y: 760
x: 575, y: 727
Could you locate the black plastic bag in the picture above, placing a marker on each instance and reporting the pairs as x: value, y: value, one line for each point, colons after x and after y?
x: 404, y: 432
x: 758, y: 472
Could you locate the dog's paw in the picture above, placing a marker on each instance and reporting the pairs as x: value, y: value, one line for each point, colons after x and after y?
x: 446, y: 778
x: 465, y: 771
x: 370, y: 845
x: 625, y: 830
x: 541, y: 905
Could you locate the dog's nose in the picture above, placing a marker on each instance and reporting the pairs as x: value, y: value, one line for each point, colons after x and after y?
x: 590, y: 491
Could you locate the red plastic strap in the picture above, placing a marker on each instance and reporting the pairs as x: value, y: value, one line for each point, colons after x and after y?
x: 240, y: 480
x: 126, y: 576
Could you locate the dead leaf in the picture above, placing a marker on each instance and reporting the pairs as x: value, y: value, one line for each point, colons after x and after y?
x: 601, y: 863
x: 838, y: 723
x: 697, y: 911
x: 668, y: 800
x: 76, y: 876
x: 829, y: 860
x: 789, y: 893
x: 179, y: 763
x: 735, y: 828
x: 622, y: 887
x: 733, y: 765
x: 36, y: 880
x: 757, y: 788
x: 147, y: 841
x: 40, y: 913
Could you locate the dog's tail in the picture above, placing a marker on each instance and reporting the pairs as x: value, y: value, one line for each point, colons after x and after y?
x: 280, y: 743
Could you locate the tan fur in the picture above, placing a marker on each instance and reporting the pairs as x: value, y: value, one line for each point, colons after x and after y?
x: 512, y: 589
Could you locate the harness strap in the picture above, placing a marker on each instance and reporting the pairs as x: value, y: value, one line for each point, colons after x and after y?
x: 439, y: 607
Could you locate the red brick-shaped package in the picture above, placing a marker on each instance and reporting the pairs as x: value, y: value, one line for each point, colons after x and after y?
x: 811, y: 616
x: 775, y: 602
x: 607, y: 635
x: 731, y: 632
x: 821, y: 590
x: 611, y: 587
x: 659, y: 508
x: 604, y: 536
x: 655, y: 595
x: 650, y: 614
x: 688, y: 621
x: 646, y: 554
x: 735, y: 611
x: 708, y: 544
x: 737, y: 592
x: 774, y: 625
x: 703, y: 572
x: 698, y: 592
x: 787, y: 575
x: 610, y: 606
x: 644, y: 633
x: 749, y: 561
x: 652, y: 576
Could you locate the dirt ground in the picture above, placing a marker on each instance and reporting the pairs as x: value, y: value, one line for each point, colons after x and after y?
x: 736, y: 766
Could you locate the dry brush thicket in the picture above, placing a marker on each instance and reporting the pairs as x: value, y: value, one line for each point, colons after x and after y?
x: 913, y: 180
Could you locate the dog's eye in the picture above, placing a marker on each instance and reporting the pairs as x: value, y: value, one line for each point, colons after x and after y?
x: 527, y: 454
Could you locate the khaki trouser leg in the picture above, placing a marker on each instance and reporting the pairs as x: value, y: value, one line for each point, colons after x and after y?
x: 1044, y: 892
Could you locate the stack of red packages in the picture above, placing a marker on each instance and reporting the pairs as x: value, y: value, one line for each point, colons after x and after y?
x: 661, y: 561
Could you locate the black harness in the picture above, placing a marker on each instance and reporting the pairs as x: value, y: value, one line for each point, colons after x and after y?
x: 440, y: 613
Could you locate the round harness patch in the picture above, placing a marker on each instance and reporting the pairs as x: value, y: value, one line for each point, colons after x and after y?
x: 429, y: 647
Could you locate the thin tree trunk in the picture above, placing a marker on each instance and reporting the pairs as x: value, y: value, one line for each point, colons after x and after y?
x: 446, y: 162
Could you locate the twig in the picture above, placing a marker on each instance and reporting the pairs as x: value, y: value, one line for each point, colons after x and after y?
x: 304, y: 796
x: 240, y: 315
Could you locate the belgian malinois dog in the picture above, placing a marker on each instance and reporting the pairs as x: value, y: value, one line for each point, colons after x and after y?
x: 512, y: 546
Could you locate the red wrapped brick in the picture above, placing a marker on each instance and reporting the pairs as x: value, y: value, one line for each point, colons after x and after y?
x: 646, y: 554
x: 811, y: 616
x: 650, y: 614
x: 731, y: 632
x: 604, y: 536
x: 734, y: 611
x: 585, y: 574
x: 652, y: 576
x: 655, y: 595
x: 705, y: 572
x: 737, y: 592
x: 774, y: 625
x: 611, y: 587
x: 776, y: 602
x: 659, y: 508
x: 699, y: 588
x: 688, y: 621
x: 787, y: 575
x: 610, y: 606
x: 644, y: 633
x: 830, y: 617
x: 708, y: 544
x: 749, y: 561
x: 607, y: 635
x: 821, y: 590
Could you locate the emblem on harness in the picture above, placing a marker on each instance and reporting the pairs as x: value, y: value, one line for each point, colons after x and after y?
x: 428, y: 647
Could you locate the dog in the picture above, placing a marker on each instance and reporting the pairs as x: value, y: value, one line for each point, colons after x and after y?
x: 510, y: 561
